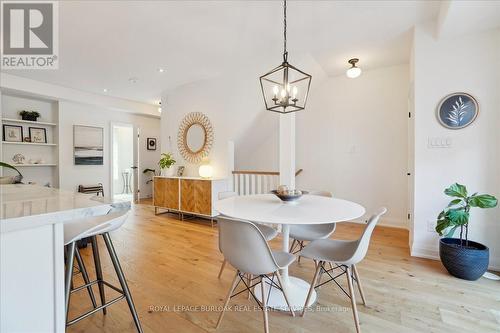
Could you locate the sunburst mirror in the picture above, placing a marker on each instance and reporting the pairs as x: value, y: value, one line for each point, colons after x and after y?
x: 195, y: 137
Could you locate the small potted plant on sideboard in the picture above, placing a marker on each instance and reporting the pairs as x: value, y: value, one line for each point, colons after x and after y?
x: 166, y: 162
x: 29, y: 115
x: 462, y: 258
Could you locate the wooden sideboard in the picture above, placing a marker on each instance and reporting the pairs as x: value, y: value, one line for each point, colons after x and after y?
x: 187, y: 195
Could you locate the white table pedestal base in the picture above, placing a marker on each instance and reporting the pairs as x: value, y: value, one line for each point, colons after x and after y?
x: 297, y: 291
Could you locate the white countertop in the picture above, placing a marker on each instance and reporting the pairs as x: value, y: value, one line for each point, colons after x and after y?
x: 29, y: 206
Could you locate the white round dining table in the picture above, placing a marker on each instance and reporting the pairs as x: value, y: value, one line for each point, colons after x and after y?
x: 309, y: 209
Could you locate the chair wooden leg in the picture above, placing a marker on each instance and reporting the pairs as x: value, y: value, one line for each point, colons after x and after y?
x: 264, y: 305
x: 360, y: 287
x: 313, y: 283
x: 292, y: 246
x: 301, y: 246
x: 353, y: 299
x: 285, y: 293
x: 221, y: 268
x: 228, y: 297
x: 249, y: 282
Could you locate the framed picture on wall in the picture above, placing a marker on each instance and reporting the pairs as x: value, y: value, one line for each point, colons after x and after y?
x: 151, y: 143
x: 88, y: 145
x: 12, y: 133
x: 457, y: 110
x: 38, y: 134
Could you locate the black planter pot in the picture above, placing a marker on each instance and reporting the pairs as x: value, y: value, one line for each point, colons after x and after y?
x: 29, y: 117
x: 468, y: 263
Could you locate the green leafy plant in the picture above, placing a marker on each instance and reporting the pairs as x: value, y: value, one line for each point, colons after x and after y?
x: 30, y: 113
x: 18, y: 177
x: 457, y: 213
x: 166, y: 160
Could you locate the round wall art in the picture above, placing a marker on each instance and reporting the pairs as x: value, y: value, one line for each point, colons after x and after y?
x: 457, y: 110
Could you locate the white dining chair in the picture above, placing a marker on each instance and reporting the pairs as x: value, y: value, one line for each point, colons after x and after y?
x: 345, y: 255
x: 268, y: 232
x: 301, y: 233
x: 245, y: 248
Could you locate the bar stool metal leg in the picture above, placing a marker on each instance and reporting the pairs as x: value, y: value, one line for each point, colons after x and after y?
x: 70, y: 255
x: 83, y: 270
x: 121, y: 278
x: 98, y: 271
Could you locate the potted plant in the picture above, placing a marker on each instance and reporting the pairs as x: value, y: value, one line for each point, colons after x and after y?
x: 29, y: 115
x: 462, y: 258
x: 10, y: 179
x: 166, y: 161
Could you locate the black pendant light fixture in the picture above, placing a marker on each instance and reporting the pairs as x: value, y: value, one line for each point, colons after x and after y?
x: 285, y: 88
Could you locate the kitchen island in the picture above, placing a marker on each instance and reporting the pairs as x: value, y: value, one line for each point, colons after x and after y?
x: 32, y: 220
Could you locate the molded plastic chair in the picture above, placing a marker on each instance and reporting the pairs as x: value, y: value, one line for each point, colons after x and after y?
x: 301, y: 233
x: 245, y: 248
x: 268, y: 232
x: 92, y: 227
x: 345, y: 254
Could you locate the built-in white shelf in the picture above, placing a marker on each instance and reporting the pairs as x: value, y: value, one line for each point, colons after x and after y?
x: 34, y: 165
x: 29, y: 143
x: 11, y: 120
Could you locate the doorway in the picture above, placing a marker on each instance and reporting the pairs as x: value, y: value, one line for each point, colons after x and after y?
x: 124, y: 162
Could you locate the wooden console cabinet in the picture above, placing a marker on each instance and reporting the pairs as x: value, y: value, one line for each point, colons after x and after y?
x: 195, y: 196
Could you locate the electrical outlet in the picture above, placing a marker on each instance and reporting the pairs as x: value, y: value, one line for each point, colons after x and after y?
x: 431, y: 226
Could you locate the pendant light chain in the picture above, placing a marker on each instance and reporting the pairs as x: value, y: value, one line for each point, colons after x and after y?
x: 285, y: 52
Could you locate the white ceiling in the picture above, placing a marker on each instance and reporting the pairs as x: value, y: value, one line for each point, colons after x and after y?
x: 104, y: 43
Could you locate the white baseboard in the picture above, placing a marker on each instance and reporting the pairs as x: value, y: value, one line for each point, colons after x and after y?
x: 393, y: 223
x: 433, y: 253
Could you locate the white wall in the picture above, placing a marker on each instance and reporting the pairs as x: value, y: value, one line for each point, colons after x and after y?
x: 352, y: 140
x: 469, y: 63
x: 71, y: 113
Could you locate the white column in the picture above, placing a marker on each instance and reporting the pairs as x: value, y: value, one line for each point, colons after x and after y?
x: 287, y: 171
x: 287, y: 150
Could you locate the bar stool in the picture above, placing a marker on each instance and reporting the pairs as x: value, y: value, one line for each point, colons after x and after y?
x: 92, y: 227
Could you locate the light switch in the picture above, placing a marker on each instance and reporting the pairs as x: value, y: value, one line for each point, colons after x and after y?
x: 439, y: 142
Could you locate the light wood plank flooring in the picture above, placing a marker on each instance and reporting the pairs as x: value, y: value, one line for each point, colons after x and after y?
x: 172, y: 271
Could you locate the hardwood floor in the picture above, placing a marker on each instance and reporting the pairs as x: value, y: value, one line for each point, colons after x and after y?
x: 172, y: 267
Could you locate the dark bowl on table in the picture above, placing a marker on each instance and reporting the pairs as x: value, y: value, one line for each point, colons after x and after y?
x: 289, y: 197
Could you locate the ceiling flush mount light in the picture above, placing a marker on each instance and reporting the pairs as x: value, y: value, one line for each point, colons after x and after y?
x: 161, y: 70
x: 105, y: 90
x: 354, y: 71
x: 133, y: 80
x: 285, y: 88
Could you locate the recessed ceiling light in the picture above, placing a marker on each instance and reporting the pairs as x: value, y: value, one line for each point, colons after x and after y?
x: 133, y: 80
x: 161, y: 70
x: 105, y: 90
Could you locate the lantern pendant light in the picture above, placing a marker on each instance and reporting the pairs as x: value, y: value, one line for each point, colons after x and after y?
x: 285, y: 88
